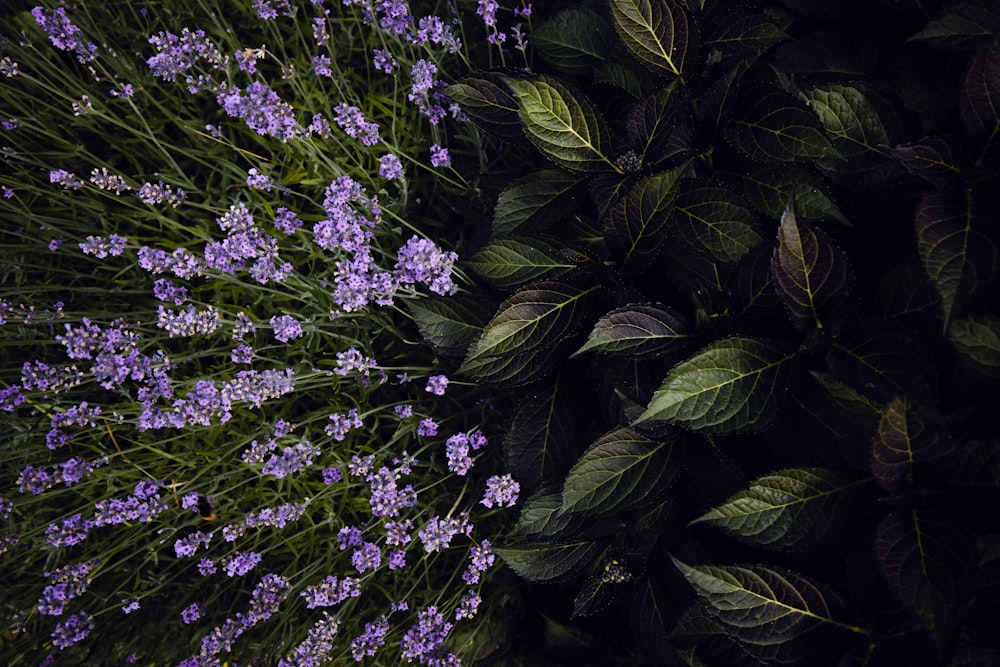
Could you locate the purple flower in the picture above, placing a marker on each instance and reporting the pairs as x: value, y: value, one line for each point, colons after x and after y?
x: 105, y: 181
x: 481, y: 558
x: 67, y: 583
x: 242, y: 354
x: 425, y: 640
x: 390, y: 167
x: 186, y: 547
x: 420, y: 261
x: 68, y: 180
x: 373, y: 638
x: 437, y: 384
x: 340, y: 425
x: 63, y: 34
x: 101, y: 247
x: 287, y: 221
x: 240, y: 563
x: 261, y: 108
x: 427, y: 428
x: 291, y: 460
x: 468, y: 606
x: 457, y: 451
x: 72, y: 630
x: 384, y: 61
x: 54, y: 244
x: 366, y: 557
x: 206, y: 567
x: 397, y: 560
x: 321, y: 65
x: 331, y: 591
x: 349, y: 536
x: 353, y: 123
x: 11, y: 124
x: 438, y: 533
x: 331, y: 475
x: 500, y: 490
x: 8, y: 67
x: 188, y: 322
x: 192, y: 612
x: 125, y: 92
x: 258, y: 181
x: 286, y: 328
x: 131, y: 605
x: 440, y: 156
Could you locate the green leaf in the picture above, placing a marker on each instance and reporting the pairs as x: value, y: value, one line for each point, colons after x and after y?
x: 648, y: 610
x: 936, y: 159
x: 731, y: 385
x: 488, y: 103
x: 977, y: 340
x: 540, y: 443
x: 533, y: 318
x: 796, y: 508
x: 979, y: 102
x: 713, y: 220
x: 928, y: 563
x: 516, y: 369
x: 574, y: 40
x: 550, y: 562
x: 769, y: 188
x: 594, y: 597
x: 957, y: 245
x: 450, y: 324
x: 813, y: 277
x: 775, y: 127
x: 616, y: 472
x: 847, y: 114
x: 542, y: 516
x: 752, y: 288
x: 513, y: 261
x: 903, y: 441
x: 650, y: 122
x: 704, y: 639
x: 658, y: 33
x: 564, y: 126
x: 533, y: 203
x: 639, y: 331
x: 882, y: 361
x: 775, y: 615
x: 744, y: 31
x: 961, y: 26
x: 905, y: 291
x: 716, y: 103
x: 633, y: 227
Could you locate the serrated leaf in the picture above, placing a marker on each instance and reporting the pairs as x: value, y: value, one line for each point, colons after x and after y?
x: 813, y: 277
x: 935, y: 159
x: 541, y: 515
x: 574, y: 40
x: 977, y: 340
x: 775, y: 127
x: 882, y: 362
x: 550, y: 562
x: 957, y: 246
x: 904, y: 440
x: 486, y: 100
x: 769, y: 188
x: 616, y: 472
x: 533, y: 203
x: 651, y: 120
x: 648, y: 612
x: 715, y: 105
x: 563, y: 125
x: 450, y: 324
x: 659, y: 34
x: 540, y: 442
x: 513, y: 261
x: 928, y: 563
x: 848, y: 116
x: 796, y: 508
x: 906, y: 291
x: 731, y: 385
x: 776, y: 616
x: 752, y: 287
x: 708, y: 640
x: 595, y: 596
x: 979, y: 102
x: 961, y: 26
x: 712, y: 220
x: 639, y: 331
x: 517, y: 369
x: 621, y: 75
x: 745, y: 31
x: 533, y: 318
x: 633, y: 227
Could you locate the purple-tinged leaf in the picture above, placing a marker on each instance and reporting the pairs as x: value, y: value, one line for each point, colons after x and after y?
x: 772, y: 126
x: 536, y: 201
x: 979, y: 103
x: 633, y: 227
x: 937, y: 159
x: 882, y: 361
x: 639, y: 331
x: 550, y: 562
x: 659, y: 34
x: 905, y: 443
x: 575, y: 40
x: 540, y: 443
x: 486, y: 99
x: 744, y: 31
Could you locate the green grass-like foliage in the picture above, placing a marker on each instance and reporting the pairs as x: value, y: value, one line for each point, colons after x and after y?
x: 768, y: 432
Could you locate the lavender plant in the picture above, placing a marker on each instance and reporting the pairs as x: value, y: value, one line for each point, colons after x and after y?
x: 225, y: 440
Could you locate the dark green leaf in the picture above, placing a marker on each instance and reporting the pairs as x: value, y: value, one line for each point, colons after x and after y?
x: 633, y: 227
x: 451, y: 323
x: 548, y: 562
x: 486, y: 100
x: 715, y: 105
x: 638, y: 331
x: 849, y: 117
x: 977, y: 340
x: 616, y: 472
x: 713, y: 220
x: 517, y: 369
x: 957, y: 244
x: 744, y: 30
x: 574, y: 40
x: 937, y: 159
x: 735, y: 384
x: 769, y: 188
x: 535, y: 317
x: 979, y: 103
x: 704, y: 639
x: 906, y: 291
x: 649, y: 610
x: 776, y: 616
x: 595, y: 596
x: 772, y: 126
x: 795, y: 508
x: 812, y: 276
x: 533, y: 203
x: 541, y: 515
x: 513, y: 261
x: 928, y: 563
x: 961, y: 26
x: 882, y: 362
x: 651, y: 120
x: 752, y: 288
x: 903, y: 441
x: 541, y: 440
x: 563, y: 125
x: 658, y: 33
x: 621, y: 75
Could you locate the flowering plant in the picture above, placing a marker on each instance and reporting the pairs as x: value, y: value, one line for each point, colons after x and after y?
x: 224, y: 436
